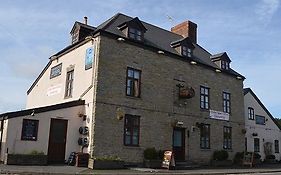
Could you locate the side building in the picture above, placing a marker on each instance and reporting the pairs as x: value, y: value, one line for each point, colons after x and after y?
x: 263, y: 133
x: 143, y: 86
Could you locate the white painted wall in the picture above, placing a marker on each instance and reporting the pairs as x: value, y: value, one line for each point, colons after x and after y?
x: 266, y: 133
x: 13, y: 127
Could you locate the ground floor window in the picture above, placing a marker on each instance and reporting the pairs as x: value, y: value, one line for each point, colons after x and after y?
x: 276, y: 146
x: 29, y: 129
x: 256, y: 145
x: 227, y: 142
x: 246, y: 144
x: 205, y: 136
x: 131, y: 130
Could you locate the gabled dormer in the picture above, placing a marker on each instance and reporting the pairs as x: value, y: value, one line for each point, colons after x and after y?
x: 133, y: 29
x: 80, y: 31
x: 222, y: 60
x: 184, y: 47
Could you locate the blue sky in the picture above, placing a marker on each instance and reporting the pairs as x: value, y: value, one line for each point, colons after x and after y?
x: 249, y: 31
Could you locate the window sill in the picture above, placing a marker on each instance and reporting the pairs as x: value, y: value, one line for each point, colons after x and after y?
x: 204, y: 110
x: 131, y: 147
x: 68, y: 97
x: 132, y: 97
x: 205, y: 149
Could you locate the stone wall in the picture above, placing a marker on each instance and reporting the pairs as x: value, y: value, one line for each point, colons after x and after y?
x: 159, y: 103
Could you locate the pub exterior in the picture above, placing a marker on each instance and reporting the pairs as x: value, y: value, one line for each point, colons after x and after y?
x: 136, y: 86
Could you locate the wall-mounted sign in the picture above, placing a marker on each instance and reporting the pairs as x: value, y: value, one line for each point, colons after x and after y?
x: 89, y: 58
x: 53, y: 90
x: 56, y: 71
x: 219, y: 115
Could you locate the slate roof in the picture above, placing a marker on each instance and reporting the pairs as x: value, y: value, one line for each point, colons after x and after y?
x: 155, y: 37
x: 249, y: 90
x: 41, y: 109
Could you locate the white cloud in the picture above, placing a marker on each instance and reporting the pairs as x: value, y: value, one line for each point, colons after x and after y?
x: 266, y: 9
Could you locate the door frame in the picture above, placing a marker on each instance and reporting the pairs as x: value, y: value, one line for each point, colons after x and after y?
x: 50, y: 130
x: 183, y: 141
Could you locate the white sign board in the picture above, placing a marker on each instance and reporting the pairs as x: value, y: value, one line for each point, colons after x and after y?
x: 53, y: 90
x: 219, y: 115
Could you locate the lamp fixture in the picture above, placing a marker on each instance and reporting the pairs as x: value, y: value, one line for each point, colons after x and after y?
x: 193, y: 62
x: 160, y: 52
x: 33, y: 112
x: 239, y: 78
x: 218, y: 70
x: 120, y: 39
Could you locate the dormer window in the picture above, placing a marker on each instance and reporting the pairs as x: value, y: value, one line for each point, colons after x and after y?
x: 224, y: 65
x: 135, y: 34
x: 186, y: 51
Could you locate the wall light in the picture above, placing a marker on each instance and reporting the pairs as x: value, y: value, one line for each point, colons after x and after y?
x: 120, y: 39
x: 218, y: 71
x: 193, y: 62
x: 160, y: 52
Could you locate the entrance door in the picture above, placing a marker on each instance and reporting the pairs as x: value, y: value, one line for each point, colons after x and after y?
x: 179, y: 143
x: 57, y: 141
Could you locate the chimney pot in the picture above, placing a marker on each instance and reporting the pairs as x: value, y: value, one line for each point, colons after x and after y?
x: 86, y: 20
x: 186, y: 29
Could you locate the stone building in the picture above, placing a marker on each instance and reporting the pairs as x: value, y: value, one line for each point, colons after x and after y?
x: 143, y: 86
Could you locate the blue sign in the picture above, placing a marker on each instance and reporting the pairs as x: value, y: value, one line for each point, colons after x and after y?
x: 89, y: 58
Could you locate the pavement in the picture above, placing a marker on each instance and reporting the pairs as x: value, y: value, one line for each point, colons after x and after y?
x: 65, y: 170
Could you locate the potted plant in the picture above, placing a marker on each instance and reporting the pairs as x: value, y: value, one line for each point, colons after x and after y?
x: 153, y: 158
x: 220, y: 158
x: 106, y: 162
x: 270, y: 158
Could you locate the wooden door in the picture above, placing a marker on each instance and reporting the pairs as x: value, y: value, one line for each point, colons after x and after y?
x: 57, y: 141
x: 179, y: 144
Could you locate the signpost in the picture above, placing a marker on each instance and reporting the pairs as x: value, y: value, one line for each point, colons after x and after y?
x: 168, y: 160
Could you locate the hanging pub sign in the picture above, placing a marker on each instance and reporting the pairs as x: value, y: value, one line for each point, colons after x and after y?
x: 89, y: 58
x: 168, y: 160
x: 219, y: 115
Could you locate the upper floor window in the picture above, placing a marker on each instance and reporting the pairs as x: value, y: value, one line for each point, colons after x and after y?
x: 131, y: 130
x: 186, y: 51
x: 135, y: 34
x: 224, y: 65
x: 133, y: 82
x: 227, y: 142
x: 260, y: 120
x: 251, y: 113
x: 276, y: 146
x: 205, y: 136
x: 256, y: 145
x: 56, y: 71
x: 69, y: 84
x: 226, y: 102
x: 204, y: 97
x: 29, y: 129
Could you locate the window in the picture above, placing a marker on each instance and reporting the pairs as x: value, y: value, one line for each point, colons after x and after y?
x: 135, y: 34
x: 251, y: 113
x: 256, y: 145
x: 246, y: 147
x: 55, y: 71
x: 205, y: 136
x: 69, y: 84
x: 224, y: 65
x: 226, y: 102
x: 204, y: 97
x: 260, y: 120
x: 276, y: 146
x: 186, y: 51
x: 29, y: 129
x: 227, y: 143
x: 131, y: 130
x: 133, y: 82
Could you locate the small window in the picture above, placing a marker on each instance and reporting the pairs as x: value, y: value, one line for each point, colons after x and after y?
x: 204, y: 97
x: 224, y: 65
x: 205, y: 136
x: 226, y: 102
x: 260, y: 120
x: 187, y: 52
x: 251, y: 113
x: 256, y: 145
x: 133, y: 82
x: 69, y: 84
x: 29, y: 129
x: 56, y: 71
x: 227, y: 141
x: 131, y: 130
x: 276, y: 146
x: 135, y: 34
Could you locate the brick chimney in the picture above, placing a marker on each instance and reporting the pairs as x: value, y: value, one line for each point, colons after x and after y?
x: 86, y: 20
x: 186, y: 29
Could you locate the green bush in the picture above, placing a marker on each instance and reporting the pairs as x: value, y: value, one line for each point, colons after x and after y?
x: 270, y: 157
x: 220, y: 155
x: 151, y: 154
x: 161, y: 154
